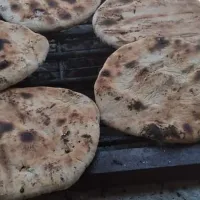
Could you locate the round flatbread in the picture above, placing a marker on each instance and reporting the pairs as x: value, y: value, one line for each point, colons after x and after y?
x: 47, y: 15
x: 21, y: 53
x: 121, y: 22
x: 48, y: 136
x: 151, y: 88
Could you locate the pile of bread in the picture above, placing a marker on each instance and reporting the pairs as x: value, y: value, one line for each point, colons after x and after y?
x: 149, y: 87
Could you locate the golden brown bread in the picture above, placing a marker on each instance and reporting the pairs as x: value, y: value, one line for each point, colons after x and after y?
x: 118, y: 22
x: 151, y: 88
x: 21, y: 53
x: 48, y: 136
x: 47, y: 15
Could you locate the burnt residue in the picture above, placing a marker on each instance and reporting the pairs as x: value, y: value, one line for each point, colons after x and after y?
x: 117, y: 162
x: 154, y: 132
x: 161, y: 43
x: 131, y: 64
x: 26, y: 95
x: 187, y: 128
x: 5, y: 127
x: 27, y: 136
x: 136, y: 105
x: 106, y: 73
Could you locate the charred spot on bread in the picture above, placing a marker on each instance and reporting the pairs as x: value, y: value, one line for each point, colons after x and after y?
x: 197, y: 47
x: 4, y: 64
x: 177, y: 42
x: 160, y: 43
x: 106, y: 73
x: 108, y: 22
x: 70, y: 1
x: 5, y: 127
x: 15, y: 7
x: 34, y: 5
x: 118, y: 98
x: 131, y: 64
x: 60, y: 122
x: 52, y: 3
x: 197, y: 76
x: 27, y: 136
x: 62, y: 14
x: 26, y: 95
x: 2, y: 43
x: 187, y: 128
x: 79, y: 8
x: 154, y: 132
x: 196, y: 115
x: 136, y: 105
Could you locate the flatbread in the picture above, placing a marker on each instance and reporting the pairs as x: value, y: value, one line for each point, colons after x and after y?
x: 119, y: 22
x: 47, y: 15
x: 151, y: 88
x: 48, y: 136
x: 21, y: 53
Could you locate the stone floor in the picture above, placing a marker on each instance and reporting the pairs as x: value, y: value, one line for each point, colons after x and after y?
x: 169, y: 191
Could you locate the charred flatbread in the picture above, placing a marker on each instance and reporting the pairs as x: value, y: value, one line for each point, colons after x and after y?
x: 119, y: 22
x: 151, y: 88
x: 48, y: 136
x: 21, y: 53
x: 47, y: 15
